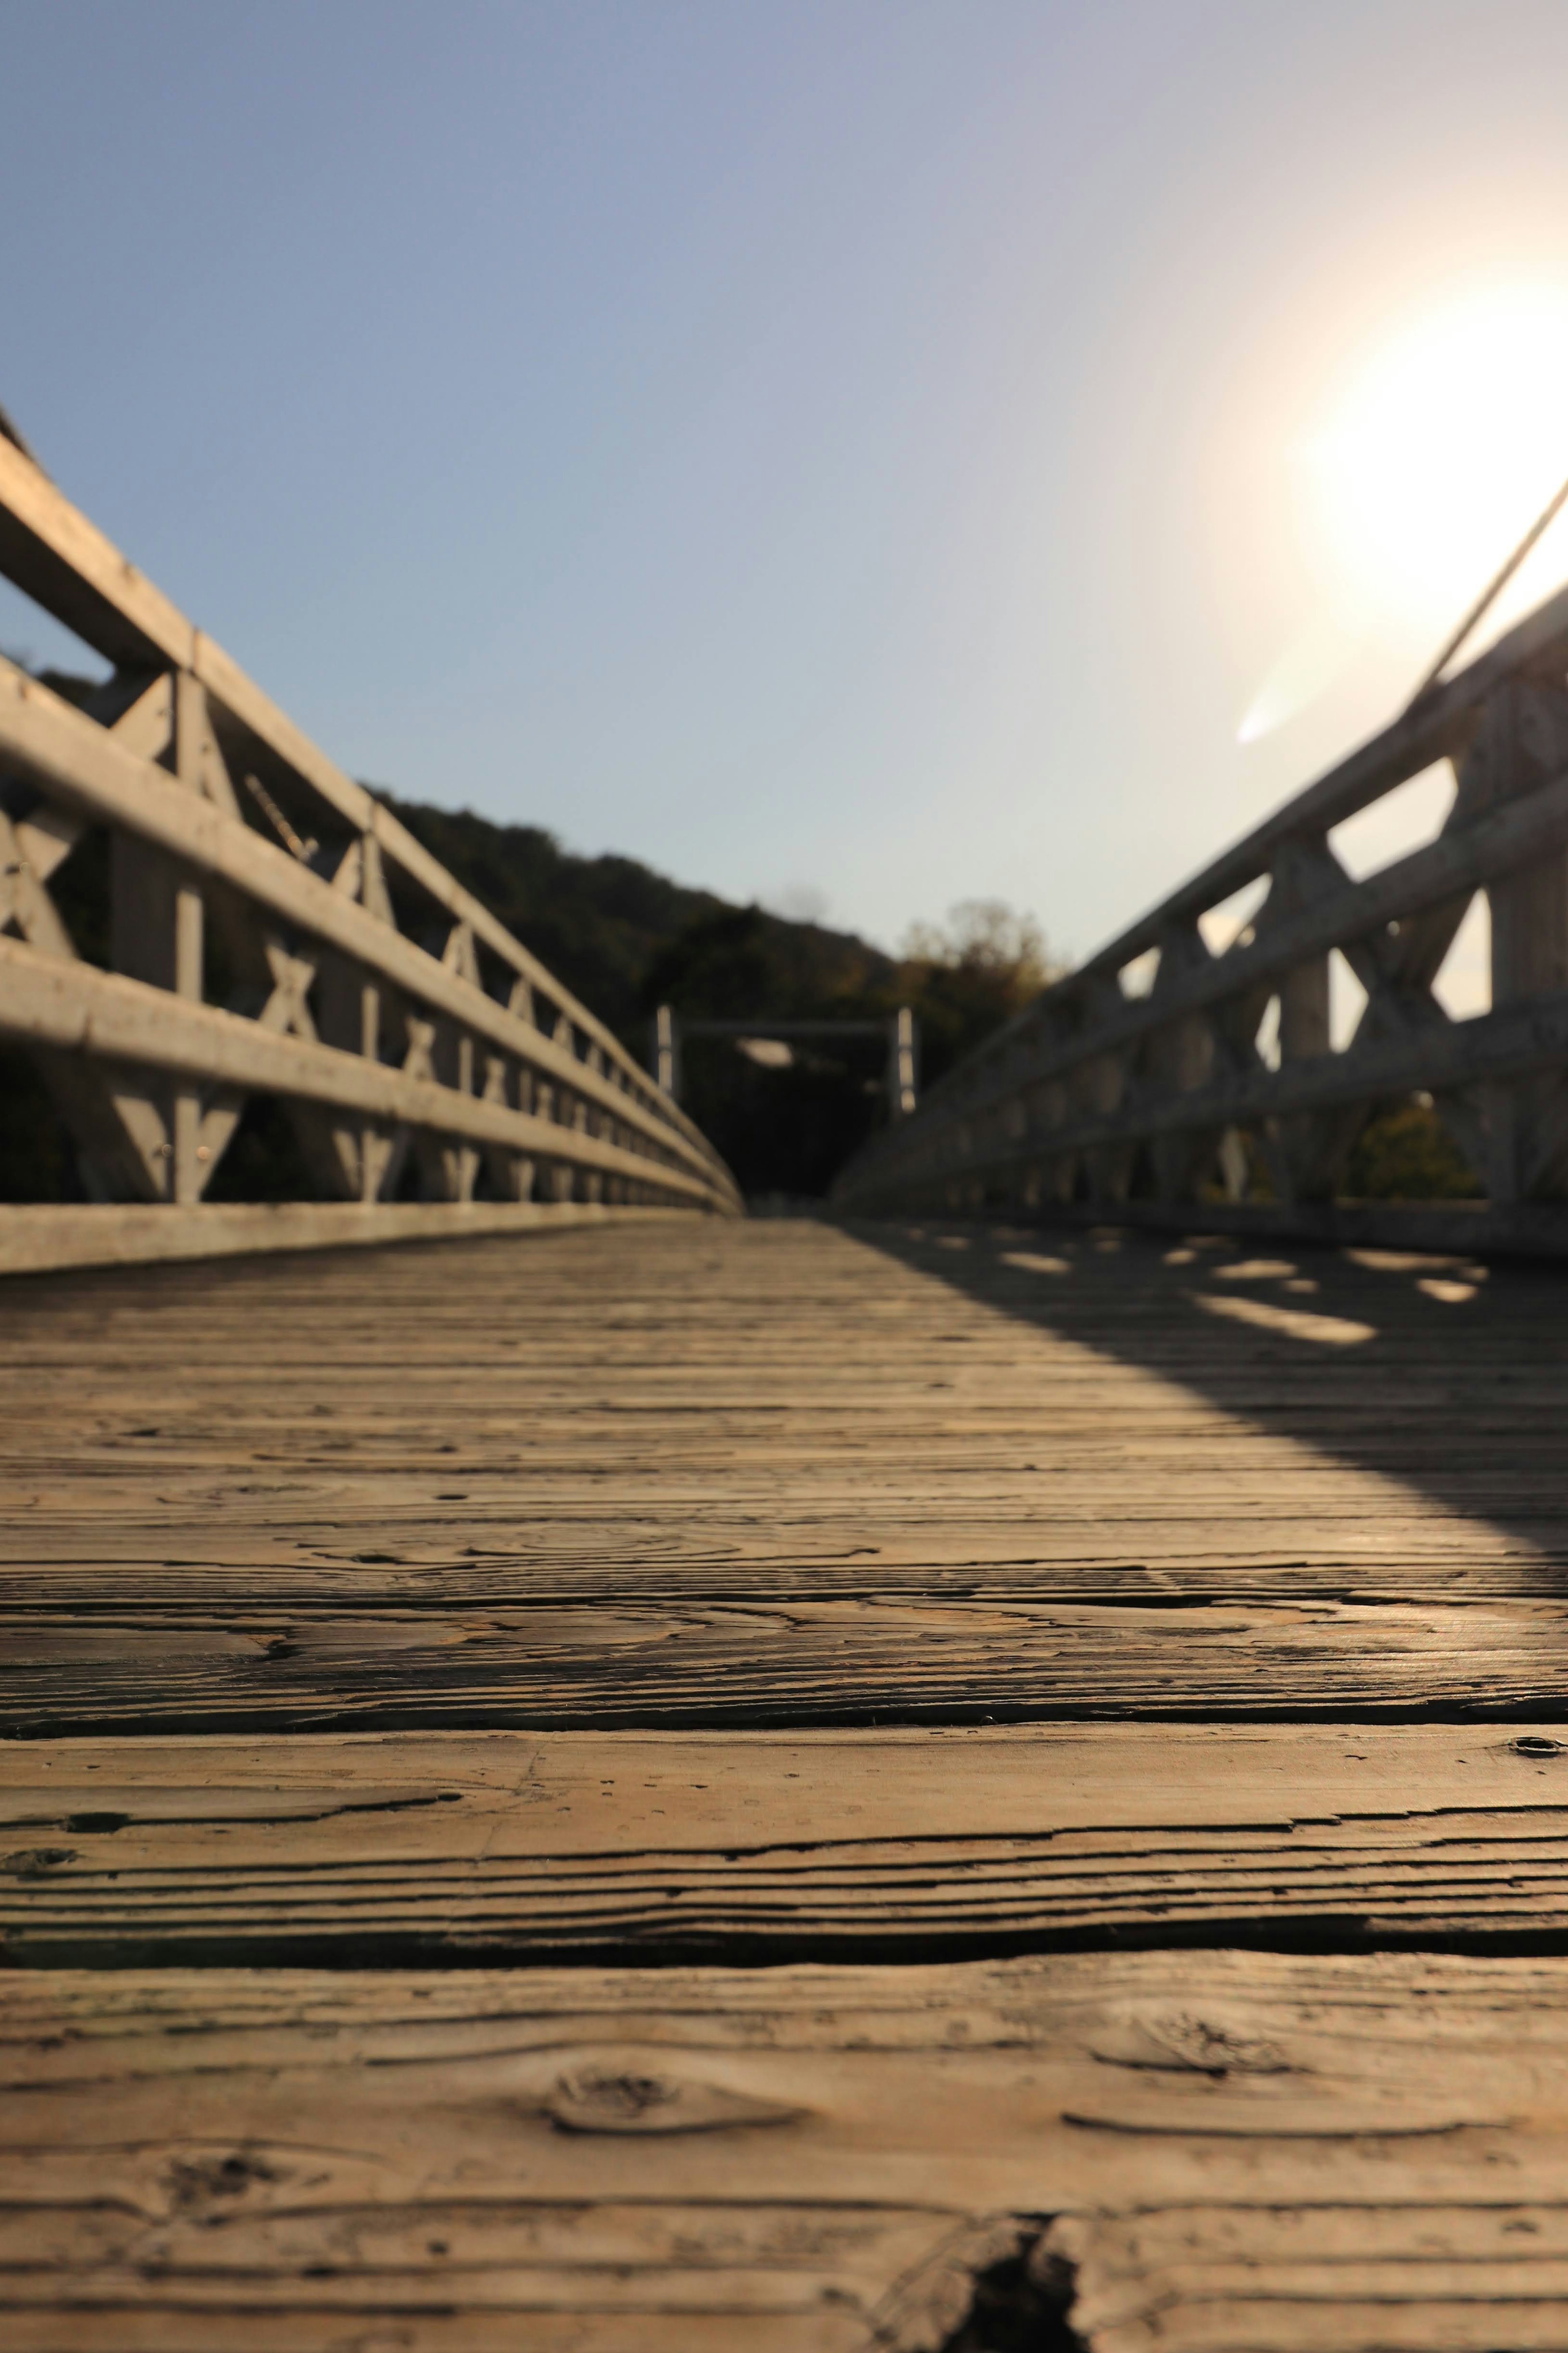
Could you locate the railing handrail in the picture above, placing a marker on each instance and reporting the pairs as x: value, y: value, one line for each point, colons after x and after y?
x: 57, y: 556
x: 80, y: 764
x: 149, y: 1076
x: 1415, y: 740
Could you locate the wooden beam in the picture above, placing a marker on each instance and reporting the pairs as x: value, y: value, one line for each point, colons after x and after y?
x: 1529, y: 1036
x: 75, y: 1008
x: 1435, y: 729
x: 55, y: 554
x: 38, y: 1238
x: 1456, y: 864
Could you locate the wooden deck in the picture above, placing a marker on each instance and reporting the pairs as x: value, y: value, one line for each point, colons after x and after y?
x: 783, y: 1787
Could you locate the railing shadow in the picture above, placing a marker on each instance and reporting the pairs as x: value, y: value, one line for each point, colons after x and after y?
x: 1444, y: 1375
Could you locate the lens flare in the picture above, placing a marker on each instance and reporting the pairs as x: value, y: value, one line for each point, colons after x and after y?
x: 1308, y: 666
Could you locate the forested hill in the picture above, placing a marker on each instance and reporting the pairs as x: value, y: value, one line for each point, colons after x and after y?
x: 627, y: 940
x: 607, y: 926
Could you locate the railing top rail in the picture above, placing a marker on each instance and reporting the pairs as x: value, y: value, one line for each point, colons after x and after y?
x: 84, y: 766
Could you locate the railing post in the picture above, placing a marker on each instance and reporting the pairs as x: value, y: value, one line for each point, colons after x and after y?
x: 666, y: 1050
x: 903, y: 1062
x: 1522, y: 739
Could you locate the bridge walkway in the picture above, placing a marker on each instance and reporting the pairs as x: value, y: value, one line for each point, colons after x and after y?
x: 786, y: 1787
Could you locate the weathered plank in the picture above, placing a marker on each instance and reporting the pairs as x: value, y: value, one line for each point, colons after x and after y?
x: 769, y: 1474
x: 739, y: 1471
x: 888, y: 1843
x: 265, y: 1665
x: 1211, y: 2149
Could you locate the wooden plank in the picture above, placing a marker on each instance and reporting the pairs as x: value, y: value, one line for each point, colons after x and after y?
x: 679, y: 1417
x: 259, y: 1662
x: 64, y: 561
x: 466, y: 1847
x: 1221, y: 2149
x: 404, y: 1551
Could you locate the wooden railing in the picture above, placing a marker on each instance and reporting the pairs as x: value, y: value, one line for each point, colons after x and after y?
x: 1220, y: 1083
x: 272, y: 928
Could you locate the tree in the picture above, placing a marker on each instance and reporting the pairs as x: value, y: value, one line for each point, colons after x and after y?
x: 968, y: 977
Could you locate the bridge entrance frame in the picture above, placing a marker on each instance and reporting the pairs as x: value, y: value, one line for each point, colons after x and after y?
x: 901, y: 1030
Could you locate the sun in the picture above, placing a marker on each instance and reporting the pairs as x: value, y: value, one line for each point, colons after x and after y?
x: 1443, y: 447
x: 1431, y: 455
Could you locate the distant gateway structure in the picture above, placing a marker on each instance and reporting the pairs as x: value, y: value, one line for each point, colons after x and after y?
x: 901, y: 1030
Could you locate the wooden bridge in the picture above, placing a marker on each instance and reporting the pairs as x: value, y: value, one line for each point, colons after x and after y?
x: 990, y: 1774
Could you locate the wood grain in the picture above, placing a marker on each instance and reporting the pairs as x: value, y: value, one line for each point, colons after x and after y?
x: 466, y: 1847
x: 76, y: 1010
x: 721, y: 1476
x: 771, y: 1474
x: 266, y: 1665
x: 1232, y: 2149
x: 45, y: 1237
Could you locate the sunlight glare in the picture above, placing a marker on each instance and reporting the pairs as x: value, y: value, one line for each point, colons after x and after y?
x: 1444, y: 446
x: 1434, y: 455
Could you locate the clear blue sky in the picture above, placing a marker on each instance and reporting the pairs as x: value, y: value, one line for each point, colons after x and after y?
x: 862, y: 449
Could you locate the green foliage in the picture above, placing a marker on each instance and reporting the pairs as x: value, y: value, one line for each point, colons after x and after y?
x: 967, y: 978
x: 1407, y: 1155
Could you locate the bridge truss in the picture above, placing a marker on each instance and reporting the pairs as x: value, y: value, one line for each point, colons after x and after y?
x: 273, y: 929
x: 1220, y: 1082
